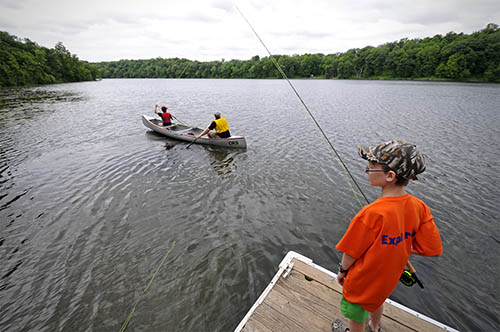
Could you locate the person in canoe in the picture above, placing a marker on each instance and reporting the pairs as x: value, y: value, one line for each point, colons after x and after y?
x: 218, y: 128
x: 165, y: 116
x: 381, y: 237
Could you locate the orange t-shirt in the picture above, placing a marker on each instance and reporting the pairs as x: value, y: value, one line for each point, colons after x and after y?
x: 380, y: 237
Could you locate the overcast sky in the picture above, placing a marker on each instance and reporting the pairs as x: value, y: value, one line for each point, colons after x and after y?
x: 204, y: 30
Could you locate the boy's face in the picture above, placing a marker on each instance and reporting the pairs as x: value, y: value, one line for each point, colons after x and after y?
x: 377, y: 176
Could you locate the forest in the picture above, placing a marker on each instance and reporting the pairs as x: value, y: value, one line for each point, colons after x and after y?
x: 23, y: 62
x: 471, y: 57
x: 463, y: 57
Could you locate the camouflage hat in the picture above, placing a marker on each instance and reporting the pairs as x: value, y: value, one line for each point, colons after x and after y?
x: 402, y: 158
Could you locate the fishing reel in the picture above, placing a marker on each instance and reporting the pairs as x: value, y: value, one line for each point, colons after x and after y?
x: 407, y: 278
x: 410, y: 278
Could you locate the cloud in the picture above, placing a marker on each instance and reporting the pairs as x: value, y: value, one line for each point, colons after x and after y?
x: 208, y: 30
x: 225, y: 5
x: 12, y: 4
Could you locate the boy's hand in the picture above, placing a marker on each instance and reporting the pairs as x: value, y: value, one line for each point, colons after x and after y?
x: 341, y: 277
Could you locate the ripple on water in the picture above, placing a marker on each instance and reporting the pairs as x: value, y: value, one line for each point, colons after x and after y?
x: 89, y: 208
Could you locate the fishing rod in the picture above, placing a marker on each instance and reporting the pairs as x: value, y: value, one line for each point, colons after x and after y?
x: 411, y: 273
x: 325, y: 137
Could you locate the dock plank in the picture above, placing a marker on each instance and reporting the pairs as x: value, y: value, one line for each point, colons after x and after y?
x: 401, y: 318
x: 321, y: 299
x: 295, y: 310
x: 255, y: 324
x: 274, y: 319
x: 308, y: 299
x: 317, y: 275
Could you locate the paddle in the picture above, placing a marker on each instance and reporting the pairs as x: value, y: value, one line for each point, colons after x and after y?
x: 187, y: 147
x: 203, y: 133
x: 179, y: 120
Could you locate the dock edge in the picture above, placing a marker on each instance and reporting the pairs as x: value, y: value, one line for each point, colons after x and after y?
x: 286, y: 263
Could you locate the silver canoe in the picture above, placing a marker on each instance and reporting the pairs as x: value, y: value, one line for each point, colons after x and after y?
x: 188, y: 133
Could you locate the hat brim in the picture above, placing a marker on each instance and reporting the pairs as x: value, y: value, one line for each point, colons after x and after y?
x: 366, y: 152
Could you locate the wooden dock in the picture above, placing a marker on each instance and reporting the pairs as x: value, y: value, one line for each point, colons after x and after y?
x: 303, y: 296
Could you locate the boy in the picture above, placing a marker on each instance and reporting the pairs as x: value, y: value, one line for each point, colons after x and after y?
x: 165, y: 116
x: 381, y: 237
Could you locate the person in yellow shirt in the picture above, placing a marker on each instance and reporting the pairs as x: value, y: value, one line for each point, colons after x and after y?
x: 218, y: 128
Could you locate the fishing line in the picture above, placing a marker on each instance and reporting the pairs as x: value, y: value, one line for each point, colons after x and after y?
x: 187, y: 65
x: 325, y: 138
x: 147, y: 287
x: 180, y: 76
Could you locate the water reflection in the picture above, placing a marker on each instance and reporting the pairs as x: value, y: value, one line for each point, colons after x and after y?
x: 19, y: 97
x: 222, y: 163
x: 222, y: 160
x: 27, y: 103
x: 169, y: 146
x: 17, y: 107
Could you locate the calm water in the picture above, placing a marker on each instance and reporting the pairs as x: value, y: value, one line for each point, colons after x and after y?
x: 91, y: 201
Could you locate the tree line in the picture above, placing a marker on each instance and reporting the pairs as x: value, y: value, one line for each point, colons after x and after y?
x: 23, y: 62
x: 458, y: 57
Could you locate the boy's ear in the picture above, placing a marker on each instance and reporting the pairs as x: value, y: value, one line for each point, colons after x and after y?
x: 391, y: 176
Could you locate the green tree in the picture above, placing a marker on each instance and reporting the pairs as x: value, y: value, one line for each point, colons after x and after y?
x: 345, y: 67
x: 23, y: 62
x: 329, y: 65
x: 453, y: 56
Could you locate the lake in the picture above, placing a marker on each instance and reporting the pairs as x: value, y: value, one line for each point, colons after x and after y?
x: 91, y: 201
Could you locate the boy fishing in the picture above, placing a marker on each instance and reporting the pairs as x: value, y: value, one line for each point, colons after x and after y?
x: 381, y: 237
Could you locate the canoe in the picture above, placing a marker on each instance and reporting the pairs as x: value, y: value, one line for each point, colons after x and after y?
x: 187, y: 133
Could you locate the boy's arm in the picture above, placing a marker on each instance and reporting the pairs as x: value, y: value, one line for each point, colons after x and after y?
x: 346, y: 262
x: 414, y: 252
x: 427, y: 241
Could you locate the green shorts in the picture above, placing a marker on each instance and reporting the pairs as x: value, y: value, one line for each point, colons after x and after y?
x: 353, y: 311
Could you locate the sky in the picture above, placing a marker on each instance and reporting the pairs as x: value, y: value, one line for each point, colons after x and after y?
x: 206, y: 30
